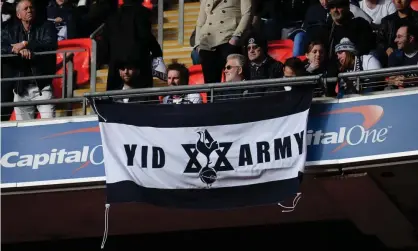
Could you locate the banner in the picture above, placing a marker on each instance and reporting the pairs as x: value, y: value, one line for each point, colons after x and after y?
x: 69, y: 150
x: 242, y: 153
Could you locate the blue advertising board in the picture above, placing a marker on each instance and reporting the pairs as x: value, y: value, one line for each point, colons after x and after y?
x: 348, y: 130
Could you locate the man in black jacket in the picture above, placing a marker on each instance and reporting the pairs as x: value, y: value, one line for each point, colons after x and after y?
x: 127, y: 34
x: 390, y: 25
x: 343, y: 24
x: 24, y: 38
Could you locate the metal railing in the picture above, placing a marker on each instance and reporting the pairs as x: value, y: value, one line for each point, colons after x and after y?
x: 67, y: 75
x: 93, y: 58
x: 211, y: 88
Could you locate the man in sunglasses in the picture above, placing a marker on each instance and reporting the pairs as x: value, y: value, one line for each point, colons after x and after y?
x: 234, y: 71
x: 261, y: 65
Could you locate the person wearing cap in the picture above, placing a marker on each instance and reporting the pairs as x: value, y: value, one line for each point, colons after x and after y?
x: 127, y: 34
x: 316, y: 17
x: 349, y: 60
x: 344, y: 24
x: 261, y: 64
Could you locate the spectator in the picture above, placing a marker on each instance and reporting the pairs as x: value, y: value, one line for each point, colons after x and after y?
x: 60, y: 13
x: 377, y: 9
x: 267, y: 19
x: 350, y: 61
x: 406, y: 41
x: 343, y: 25
x: 220, y: 26
x: 407, y: 54
x: 316, y: 19
x: 8, y: 11
x: 127, y: 34
x: 129, y: 73
x: 15, y: 39
x: 261, y: 65
x: 90, y: 14
x: 391, y: 23
x: 315, y: 58
x: 234, y: 72
x: 178, y: 74
x: 293, y: 67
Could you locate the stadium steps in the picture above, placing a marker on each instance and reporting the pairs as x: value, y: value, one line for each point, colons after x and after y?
x: 171, y: 49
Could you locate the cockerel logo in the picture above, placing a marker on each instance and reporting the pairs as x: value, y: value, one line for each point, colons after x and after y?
x: 206, y: 145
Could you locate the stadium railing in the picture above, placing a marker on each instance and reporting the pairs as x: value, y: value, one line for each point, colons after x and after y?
x: 211, y: 88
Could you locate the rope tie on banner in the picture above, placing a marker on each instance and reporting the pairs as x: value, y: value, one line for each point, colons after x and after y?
x: 93, y: 103
x: 106, y: 230
x: 287, y: 209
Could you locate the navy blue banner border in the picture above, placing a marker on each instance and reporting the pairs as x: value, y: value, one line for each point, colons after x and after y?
x: 212, y: 198
x: 195, y: 115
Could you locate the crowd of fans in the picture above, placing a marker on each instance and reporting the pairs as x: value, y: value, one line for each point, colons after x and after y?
x: 230, y: 41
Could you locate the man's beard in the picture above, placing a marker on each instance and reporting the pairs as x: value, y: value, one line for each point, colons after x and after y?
x: 337, y: 17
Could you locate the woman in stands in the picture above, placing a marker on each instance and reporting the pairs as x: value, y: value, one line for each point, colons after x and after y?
x: 349, y: 61
x: 315, y: 58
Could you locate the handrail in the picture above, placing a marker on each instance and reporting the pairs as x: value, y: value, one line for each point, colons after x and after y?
x: 43, y: 102
x: 45, y: 53
x: 31, y: 78
x: 180, y: 29
x: 380, y: 72
x: 306, y: 80
x: 93, y: 58
x: 93, y: 35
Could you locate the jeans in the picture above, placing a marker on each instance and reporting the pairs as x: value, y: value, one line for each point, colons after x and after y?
x: 195, y: 57
x: 271, y: 29
x: 299, y: 44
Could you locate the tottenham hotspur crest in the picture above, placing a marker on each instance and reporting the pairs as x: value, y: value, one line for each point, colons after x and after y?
x: 206, y: 145
x: 214, y: 154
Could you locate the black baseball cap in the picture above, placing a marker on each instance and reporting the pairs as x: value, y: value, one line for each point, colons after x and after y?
x: 338, y: 3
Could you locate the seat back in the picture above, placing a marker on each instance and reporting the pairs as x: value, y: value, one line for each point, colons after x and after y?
x: 280, y: 50
x: 147, y: 4
x: 196, y: 78
x: 414, y: 5
x: 13, y: 116
x: 81, y: 62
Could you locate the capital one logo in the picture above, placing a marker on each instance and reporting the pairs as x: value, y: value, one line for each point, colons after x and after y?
x: 363, y: 133
x: 84, y: 156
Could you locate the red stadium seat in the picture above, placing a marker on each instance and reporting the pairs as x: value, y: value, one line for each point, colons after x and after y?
x: 147, y: 4
x: 303, y: 58
x: 13, y: 116
x: 414, y: 5
x: 196, y: 78
x: 286, y: 43
x: 81, y: 62
x: 280, y: 50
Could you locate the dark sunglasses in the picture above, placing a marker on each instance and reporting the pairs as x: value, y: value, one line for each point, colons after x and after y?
x: 229, y: 67
x: 254, y: 47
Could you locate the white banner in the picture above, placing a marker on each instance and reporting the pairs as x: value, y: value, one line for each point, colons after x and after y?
x: 215, y: 156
